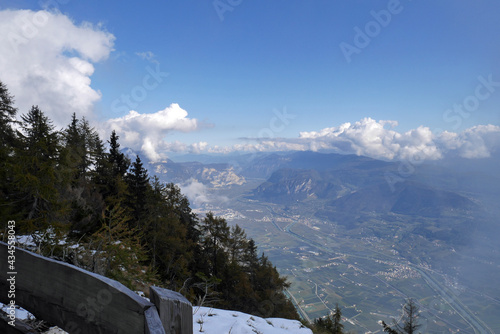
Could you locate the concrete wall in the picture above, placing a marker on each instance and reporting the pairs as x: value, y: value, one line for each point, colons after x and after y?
x: 175, y: 311
x: 77, y: 300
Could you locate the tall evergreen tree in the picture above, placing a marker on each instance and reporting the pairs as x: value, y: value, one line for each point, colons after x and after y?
x: 138, y: 186
x: 110, y: 172
x: 81, y: 149
x: 180, y: 204
x: 74, y: 152
x: 238, y: 244
x: 7, y: 144
x: 118, y: 160
x: 74, y: 145
x: 337, y: 327
x: 35, y: 172
x: 409, y: 322
x: 215, y: 237
x: 94, y: 146
x: 166, y: 237
x: 7, y: 119
x: 117, y: 252
x: 331, y: 324
x: 251, y: 259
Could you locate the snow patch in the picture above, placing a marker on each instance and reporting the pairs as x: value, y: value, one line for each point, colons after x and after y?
x: 214, y: 321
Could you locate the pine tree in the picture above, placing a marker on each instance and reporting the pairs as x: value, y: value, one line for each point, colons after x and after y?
x: 409, y: 320
x: 81, y: 147
x: 74, y: 150
x: 251, y: 259
x: 7, y: 119
x: 8, y: 141
x: 35, y: 170
x: 94, y: 146
x: 270, y: 288
x: 235, y: 287
x: 138, y: 186
x: 118, y: 160
x: 110, y: 172
x: 81, y: 151
x: 331, y: 324
x: 180, y: 204
x: 215, y: 237
x: 165, y: 237
x: 117, y: 252
x: 337, y: 327
x: 237, y: 244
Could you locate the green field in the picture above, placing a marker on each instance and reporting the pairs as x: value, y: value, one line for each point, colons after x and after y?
x: 370, y: 267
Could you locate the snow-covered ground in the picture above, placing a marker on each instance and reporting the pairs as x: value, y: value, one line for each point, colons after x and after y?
x: 21, y: 313
x: 214, y: 321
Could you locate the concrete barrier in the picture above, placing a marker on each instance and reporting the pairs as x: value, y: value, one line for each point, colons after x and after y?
x: 176, y: 312
x: 80, y: 301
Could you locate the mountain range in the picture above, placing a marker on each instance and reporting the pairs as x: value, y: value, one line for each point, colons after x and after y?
x: 346, y: 183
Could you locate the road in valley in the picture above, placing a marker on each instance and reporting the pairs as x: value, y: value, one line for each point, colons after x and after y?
x: 478, y: 326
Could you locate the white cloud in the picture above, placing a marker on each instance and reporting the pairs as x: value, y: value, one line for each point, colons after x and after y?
x: 196, y: 192
x: 146, y: 132
x: 47, y: 60
x: 374, y: 139
x: 199, y: 147
x: 379, y: 140
x: 199, y: 194
x: 476, y: 142
x: 371, y: 138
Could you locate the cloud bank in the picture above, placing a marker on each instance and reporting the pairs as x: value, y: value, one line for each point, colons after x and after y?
x: 380, y: 140
x: 47, y: 60
x: 146, y: 132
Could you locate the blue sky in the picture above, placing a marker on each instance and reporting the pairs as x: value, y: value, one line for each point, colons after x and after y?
x: 233, y: 65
